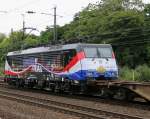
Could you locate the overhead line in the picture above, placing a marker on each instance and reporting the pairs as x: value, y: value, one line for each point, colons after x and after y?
x: 23, y: 5
x: 131, y: 43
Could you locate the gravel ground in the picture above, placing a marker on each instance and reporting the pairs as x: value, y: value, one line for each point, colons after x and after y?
x: 13, y: 110
x: 98, y: 105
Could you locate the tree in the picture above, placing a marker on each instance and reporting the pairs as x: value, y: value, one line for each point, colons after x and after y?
x: 2, y: 36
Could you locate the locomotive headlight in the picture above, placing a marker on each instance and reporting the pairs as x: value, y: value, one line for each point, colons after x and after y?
x: 47, y: 78
x: 62, y: 79
x: 89, y: 74
x: 113, y: 74
x: 76, y: 82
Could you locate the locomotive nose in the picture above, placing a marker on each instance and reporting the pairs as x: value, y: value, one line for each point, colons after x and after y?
x: 100, y: 68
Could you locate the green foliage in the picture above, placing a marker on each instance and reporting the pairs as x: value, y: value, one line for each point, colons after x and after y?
x: 105, y: 17
x: 46, y: 36
x: 1, y: 69
x: 4, y: 43
x: 29, y: 42
x: 16, y: 40
x: 147, y: 10
x: 2, y: 36
x: 148, y: 54
x: 144, y: 73
x: 124, y: 20
x: 141, y: 73
x: 125, y: 73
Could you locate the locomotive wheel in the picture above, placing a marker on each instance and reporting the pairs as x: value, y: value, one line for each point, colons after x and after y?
x: 17, y: 84
x: 52, y: 88
x: 120, y: 94
x: 103, y: 93
x: 56, y: 88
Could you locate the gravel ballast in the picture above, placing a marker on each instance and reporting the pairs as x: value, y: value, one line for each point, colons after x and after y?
x: 14, y: 110
x: 98, y: 105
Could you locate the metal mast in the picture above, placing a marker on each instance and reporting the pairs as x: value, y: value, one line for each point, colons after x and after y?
x: 55, y: 26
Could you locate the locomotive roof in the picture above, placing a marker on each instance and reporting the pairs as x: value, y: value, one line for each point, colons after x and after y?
x: 52, y: 48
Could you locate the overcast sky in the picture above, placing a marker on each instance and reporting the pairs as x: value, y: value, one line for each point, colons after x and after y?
x: 13, y: 18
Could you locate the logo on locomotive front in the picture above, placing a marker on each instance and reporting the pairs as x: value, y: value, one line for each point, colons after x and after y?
x: 101, y: 69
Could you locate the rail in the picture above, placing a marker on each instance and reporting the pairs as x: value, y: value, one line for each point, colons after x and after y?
x: 80, y: 111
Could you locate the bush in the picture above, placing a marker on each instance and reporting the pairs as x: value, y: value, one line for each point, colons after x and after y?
x: 144, y: 73
x: 141, y: 73
x: 125, y: 73
x: 128, y: 74
x: 1, y: 69
x: 1, y: 72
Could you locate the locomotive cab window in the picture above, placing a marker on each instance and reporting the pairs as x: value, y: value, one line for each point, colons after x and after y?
x: 105, y: 52
x: 98, y: 52
x: 68, y: 55
x: 91, y: 52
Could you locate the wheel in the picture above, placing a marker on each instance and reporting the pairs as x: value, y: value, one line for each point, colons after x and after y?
x: 17, y: 84
x: 120, y: 94
x: 130, y: 96
x: 56, y: 88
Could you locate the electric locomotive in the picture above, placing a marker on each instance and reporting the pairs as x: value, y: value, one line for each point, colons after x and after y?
x: 61, y: 67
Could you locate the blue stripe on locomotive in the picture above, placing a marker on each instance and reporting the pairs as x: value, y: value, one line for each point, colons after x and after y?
x: 84, y: 74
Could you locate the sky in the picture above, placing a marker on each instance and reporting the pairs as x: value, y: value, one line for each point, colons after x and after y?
x: 11, y: 13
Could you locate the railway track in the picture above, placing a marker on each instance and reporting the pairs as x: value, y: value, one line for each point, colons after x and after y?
x: 80, y: 111
x: 133, y: 104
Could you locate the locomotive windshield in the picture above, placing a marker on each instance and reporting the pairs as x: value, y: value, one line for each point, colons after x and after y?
x: 100, y: 52
x: 105, y: 52
x: 91, y: 52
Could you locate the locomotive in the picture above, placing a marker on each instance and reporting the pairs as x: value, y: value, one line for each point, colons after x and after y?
x: 67, y: 68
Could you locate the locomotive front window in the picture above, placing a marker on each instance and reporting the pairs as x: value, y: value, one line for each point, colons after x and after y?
x: 98, y: 52
x: 91, y: 52
x: 105, y: 52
